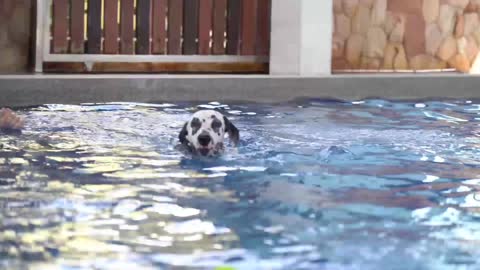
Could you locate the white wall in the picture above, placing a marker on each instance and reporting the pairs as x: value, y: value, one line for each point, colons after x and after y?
x: 301, y: 38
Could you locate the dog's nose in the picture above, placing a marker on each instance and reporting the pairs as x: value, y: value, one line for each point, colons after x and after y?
x: 204, y: 139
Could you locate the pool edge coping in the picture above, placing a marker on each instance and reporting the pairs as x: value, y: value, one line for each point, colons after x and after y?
x: 31, y: 90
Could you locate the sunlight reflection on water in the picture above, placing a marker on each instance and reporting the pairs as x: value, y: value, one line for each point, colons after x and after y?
x: 393, y: 185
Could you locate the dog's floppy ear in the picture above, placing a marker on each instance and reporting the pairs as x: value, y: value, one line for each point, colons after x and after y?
x: 232, y: 131
x: 183, y: 134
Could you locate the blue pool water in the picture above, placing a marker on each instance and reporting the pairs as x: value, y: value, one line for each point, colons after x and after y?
x: 314, y: 185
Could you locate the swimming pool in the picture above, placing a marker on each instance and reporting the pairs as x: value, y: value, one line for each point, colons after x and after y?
x: 314, y: 185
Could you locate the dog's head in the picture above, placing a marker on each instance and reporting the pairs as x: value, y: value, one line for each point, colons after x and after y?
x: 205, y: 131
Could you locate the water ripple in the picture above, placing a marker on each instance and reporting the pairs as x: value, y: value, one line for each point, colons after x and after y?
x: 101, y: 186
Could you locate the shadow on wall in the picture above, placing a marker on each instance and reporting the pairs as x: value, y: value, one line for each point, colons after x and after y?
x: 15, y: 35
x: 406, y: 35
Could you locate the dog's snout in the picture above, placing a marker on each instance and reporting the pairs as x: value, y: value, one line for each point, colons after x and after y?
x: 204, y: 139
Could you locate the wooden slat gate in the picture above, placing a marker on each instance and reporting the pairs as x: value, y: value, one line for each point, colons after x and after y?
x: 153, y: 36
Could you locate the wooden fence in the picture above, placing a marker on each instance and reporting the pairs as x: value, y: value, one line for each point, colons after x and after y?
x: 155, y: 35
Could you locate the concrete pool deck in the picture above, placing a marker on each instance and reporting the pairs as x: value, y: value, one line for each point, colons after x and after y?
x: 30, y: 90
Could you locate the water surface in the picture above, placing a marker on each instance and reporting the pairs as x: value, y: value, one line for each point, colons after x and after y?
x: 314, y: 185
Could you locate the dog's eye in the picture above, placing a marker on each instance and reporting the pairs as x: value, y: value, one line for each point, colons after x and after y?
x: 216, y: 125
x: 195, y: 124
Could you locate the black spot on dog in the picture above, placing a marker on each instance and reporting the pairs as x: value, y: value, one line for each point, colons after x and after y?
x: 195, y: 124
x: 216, y: 125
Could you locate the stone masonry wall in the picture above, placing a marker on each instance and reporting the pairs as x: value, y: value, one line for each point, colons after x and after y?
x: 406, y: 34
x: 15, y: 35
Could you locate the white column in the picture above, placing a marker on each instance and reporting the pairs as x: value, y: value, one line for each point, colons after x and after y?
x: 301, y: 38
x: 39, y: 34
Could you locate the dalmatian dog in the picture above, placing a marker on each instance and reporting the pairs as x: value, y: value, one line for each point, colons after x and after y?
x: 204, y: 133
